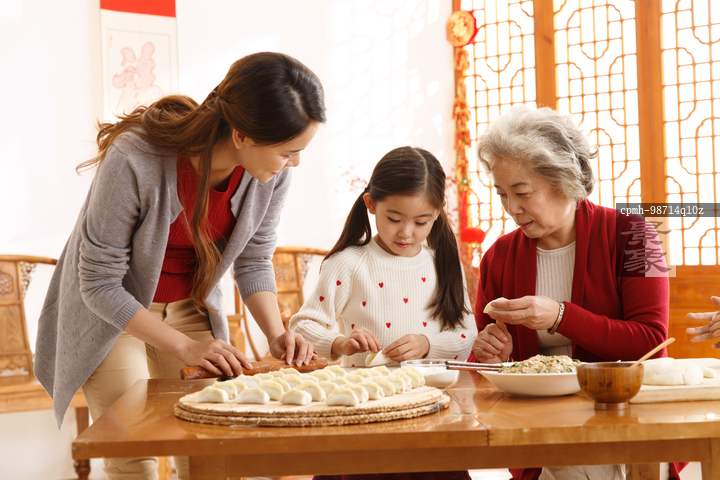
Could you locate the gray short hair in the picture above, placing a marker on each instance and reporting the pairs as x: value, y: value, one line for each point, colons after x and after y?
x: 547, y: 143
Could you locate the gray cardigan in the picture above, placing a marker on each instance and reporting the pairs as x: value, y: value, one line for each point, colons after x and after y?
x: 111, y: 264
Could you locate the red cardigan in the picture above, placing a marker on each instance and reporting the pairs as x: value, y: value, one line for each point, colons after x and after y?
x: 610, y: 317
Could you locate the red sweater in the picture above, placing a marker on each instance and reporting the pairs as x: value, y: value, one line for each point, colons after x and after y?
x: 179, y: 265
x: 610, y: 317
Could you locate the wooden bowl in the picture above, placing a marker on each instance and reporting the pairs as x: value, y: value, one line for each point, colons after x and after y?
x: 610, y: 384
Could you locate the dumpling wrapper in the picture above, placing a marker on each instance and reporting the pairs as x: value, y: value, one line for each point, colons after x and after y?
x: 253, y: 395
x: 296, y: 397
x: 376, y: 359
x: 317, y: 393
x: 272, y: 388
x: 212, y: 395
x: 374, y: 390
x: 328, y: 387
x: 229, y: 387
x: 322, y: 375
x: 342, y: 396
x: 360, y: 392
x: 489, y: 307
x: 335, y: 369
x: 355, y: 378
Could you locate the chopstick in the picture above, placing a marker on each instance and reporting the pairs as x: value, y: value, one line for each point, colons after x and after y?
x: 455, y: 365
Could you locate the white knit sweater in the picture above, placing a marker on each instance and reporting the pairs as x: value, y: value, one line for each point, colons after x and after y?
x: 389, y: 295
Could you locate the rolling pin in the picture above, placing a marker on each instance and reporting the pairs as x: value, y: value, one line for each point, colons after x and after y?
x: 195, y: 373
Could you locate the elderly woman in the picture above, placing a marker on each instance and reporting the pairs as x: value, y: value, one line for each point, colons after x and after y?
x: 564, y: 272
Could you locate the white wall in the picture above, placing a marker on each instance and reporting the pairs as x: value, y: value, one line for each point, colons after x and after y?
x: 387, y: 72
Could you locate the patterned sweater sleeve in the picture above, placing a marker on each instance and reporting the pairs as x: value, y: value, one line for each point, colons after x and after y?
x: 317, y: 317
x: 455, y: 344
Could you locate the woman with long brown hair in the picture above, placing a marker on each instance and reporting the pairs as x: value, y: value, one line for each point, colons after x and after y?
x: 182, y: 192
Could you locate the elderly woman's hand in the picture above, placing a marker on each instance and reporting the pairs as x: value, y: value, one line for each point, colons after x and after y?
x: 494, y: 344
x: 706, y: 332
x: 534, y: 312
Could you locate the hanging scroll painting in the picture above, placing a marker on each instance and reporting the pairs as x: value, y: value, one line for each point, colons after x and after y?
x: 139, y: 53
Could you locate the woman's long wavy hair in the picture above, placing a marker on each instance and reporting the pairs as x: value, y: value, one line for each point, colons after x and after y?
x: 270, y: 97
x: 409, y: 171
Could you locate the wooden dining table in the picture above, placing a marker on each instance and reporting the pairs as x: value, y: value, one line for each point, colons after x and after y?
x: 482, y: 428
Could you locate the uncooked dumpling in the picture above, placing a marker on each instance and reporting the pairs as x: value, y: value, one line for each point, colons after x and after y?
x: 253, y: 395
x: 293, y: 380
x: 416, y: 379
x: 342, y: 396
x: 314, y: 389
x: 285, y: 385
x: 336, y: 369
x: 387, y: 387
x: 360, y: 392
x: 296, y: 397
x: 398, y: 382
x: 375, y: 359
x: 272, y: 388
x: 488, y: 307
x: 374, y: 390
x: 306, y: 378
x: 364, y: 372
x: 354, y: 378
x: 382, y: 370
x: 229, y: 387
x: 329, y: 387
x: 322, y: 375
x: 289, y: 371
x: 212, y: 395
x: 339, y: 381
x: 263, y: 376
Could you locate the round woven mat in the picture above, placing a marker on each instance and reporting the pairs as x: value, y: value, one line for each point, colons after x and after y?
x: 415, y: 403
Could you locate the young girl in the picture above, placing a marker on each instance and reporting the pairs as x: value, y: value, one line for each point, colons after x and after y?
x: 182, y: 192
x: 390, y: 292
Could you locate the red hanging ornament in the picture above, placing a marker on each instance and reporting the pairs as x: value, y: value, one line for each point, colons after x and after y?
x: 461, y: 28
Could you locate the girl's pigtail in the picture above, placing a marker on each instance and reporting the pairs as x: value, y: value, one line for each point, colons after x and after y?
x: 449, y: 304
x: 357, y: 230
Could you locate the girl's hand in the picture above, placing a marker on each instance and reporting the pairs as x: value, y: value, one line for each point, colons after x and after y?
x: 215, y: 355
x: 408, y: 347
x: 534, y: 312
x: 709, y: 331
x: 360, y: 340
x: 494, y: 344
x: 291, y: 345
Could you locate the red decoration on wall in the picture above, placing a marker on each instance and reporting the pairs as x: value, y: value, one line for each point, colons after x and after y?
x: 461, y: 28
x: 163, y: 8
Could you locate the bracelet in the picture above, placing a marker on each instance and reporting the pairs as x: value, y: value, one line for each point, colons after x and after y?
x: 555, y: 326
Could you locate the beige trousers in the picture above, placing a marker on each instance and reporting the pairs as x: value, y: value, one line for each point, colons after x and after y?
x: 130, y: 360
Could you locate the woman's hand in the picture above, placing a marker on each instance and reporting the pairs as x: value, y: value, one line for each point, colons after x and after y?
x: 706, y: 332
x: 215, y: 355
x: 534, y: 312
x: 408, y: 347
x: 291, y: 345
x: 360, y: 340
x: 494, y: 344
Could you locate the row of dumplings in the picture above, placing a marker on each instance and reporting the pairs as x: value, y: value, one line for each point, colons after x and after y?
x: 331, y: 385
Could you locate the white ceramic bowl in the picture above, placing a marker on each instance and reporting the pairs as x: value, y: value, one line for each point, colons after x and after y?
x: 435, y: 372
x: 535, y: 384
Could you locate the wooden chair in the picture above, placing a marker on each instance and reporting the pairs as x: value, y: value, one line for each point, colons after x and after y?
x: 20, y: 391
x: 291, y: 267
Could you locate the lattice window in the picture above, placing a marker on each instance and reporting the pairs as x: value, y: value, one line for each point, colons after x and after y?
x: 642, y: 78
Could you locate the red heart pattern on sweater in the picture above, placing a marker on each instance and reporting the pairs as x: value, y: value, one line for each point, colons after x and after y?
x: 339, y: 282
x: 364, y: 303
x: 387, y: 324
x: 381, y: 284
x: 462, y: 335
x: 405, y: 300
x: 352, y: 325
x: 423, y: 279
x: 424, y: 324
x: 322, y: 298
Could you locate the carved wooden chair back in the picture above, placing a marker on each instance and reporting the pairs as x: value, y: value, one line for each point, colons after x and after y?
x: 291, y: 266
